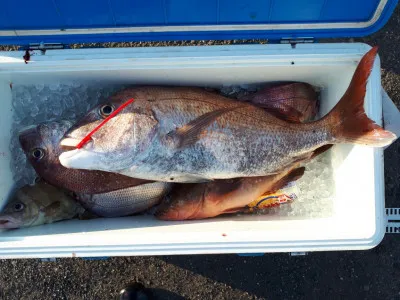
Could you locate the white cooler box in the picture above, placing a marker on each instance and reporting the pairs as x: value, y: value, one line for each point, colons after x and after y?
x: 356, y: 219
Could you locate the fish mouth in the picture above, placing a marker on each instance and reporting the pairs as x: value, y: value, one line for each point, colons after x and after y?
x: 69, y: 143
x: 77, y: 159
x: 8, y: 222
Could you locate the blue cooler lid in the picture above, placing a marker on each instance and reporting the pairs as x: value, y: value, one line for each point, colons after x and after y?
x: 76, y: 21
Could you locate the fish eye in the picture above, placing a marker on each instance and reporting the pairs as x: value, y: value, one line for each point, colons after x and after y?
x: 19, y: 206
x: 37, y: 153
x: 106, y: 110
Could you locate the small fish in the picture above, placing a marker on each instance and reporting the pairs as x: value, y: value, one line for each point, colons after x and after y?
x: 127, y: 201
x: 207, y: 200
x: 39, y: 204
x: 181, y: 134
x: 296, y: 101
x: 41, y: 146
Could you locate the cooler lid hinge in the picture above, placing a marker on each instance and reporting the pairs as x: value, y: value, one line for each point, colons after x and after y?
x: 39, y: 49
x: 43, y: 46
x: 294, y: 41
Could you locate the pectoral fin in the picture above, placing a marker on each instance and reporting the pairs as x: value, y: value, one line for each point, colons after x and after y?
x: 321, y: 150
x: 292, y: 176
x: 188, y: 134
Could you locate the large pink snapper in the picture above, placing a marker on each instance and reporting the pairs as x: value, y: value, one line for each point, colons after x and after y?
x: 185, y: 134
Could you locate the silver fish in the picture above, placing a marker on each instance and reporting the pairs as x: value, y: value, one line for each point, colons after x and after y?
x: 125, y: 202
x: 190, y: 135
x: 39, y: 204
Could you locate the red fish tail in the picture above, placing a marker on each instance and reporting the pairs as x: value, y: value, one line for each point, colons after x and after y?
x: 347, y: 120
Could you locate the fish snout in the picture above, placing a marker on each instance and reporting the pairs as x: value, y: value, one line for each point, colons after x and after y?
x: 9, y: 222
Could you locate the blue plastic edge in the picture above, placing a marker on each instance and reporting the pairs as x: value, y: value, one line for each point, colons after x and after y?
x: 215, y: 35
x: 250, y: 254
x: 95, y: 258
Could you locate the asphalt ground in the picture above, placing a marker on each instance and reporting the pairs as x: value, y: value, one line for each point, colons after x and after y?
x: 373, y: 274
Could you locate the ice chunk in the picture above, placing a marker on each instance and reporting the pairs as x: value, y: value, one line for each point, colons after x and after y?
x: 317, y: 189
x: 54, y: 87
x: 238, y: 91
x: 34, y: 111
x: 39, y: 87
x: 232, y: 91
x: 316, y: 192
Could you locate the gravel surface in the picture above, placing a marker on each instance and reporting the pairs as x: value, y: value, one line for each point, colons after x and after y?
x: 373, y: 274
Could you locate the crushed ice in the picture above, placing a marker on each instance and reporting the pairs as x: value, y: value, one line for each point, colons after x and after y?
x: 33, y: 104
x: 316, y: 191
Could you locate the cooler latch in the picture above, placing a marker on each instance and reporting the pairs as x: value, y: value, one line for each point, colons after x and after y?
x: 294, y: 41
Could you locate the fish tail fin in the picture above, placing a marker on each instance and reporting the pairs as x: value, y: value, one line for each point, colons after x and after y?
x: 347, y: 120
